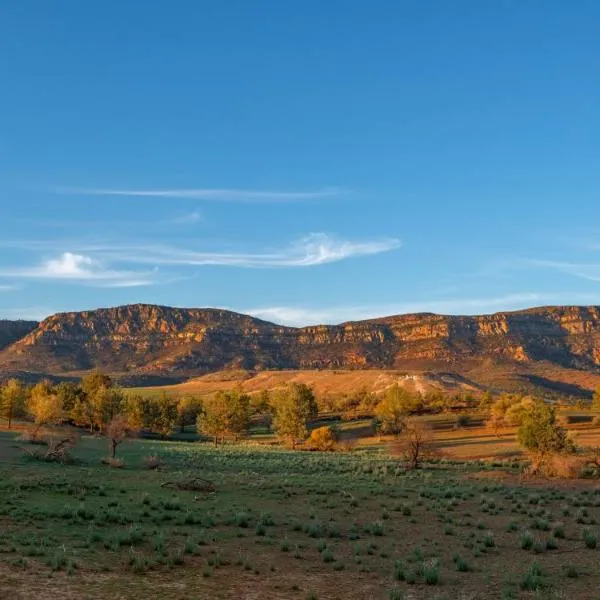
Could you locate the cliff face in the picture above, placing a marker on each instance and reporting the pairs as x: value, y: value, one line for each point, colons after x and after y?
x: 155, y: 340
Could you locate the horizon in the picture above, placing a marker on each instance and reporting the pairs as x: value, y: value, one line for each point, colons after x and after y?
x: 316, y: 324
x: 314, y: 164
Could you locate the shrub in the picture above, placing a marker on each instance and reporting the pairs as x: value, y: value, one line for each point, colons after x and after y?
x: 589, y: 538
x: 327, y: 556
x: 115, y: 463
x: 460, y: 564
x: 526, y: 540
x: 533, y: 580
x: 395, y: 594
x: 323, y: 438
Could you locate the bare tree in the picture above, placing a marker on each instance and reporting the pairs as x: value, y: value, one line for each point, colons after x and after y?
x: 415, y: 443
x: 117, y: 431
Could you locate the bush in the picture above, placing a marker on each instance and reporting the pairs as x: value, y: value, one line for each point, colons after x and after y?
x: 589, y: 538
x: 114, y: 463
x: 323, y: 438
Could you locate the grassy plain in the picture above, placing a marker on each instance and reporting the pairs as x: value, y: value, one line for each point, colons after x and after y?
x: 292, y: 525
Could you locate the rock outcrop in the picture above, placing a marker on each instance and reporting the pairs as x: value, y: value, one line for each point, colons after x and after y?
x: 152, y: 340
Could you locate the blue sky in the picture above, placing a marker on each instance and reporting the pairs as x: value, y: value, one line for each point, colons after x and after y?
x: 301, y: 161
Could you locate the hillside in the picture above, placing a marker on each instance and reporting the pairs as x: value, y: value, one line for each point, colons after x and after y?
x: 12, y: 331
x: 545, y: 347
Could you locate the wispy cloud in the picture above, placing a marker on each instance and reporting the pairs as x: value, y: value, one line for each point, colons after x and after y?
x: 589, y: 271
x: 80, y: 268
x: 315, y: 249
x: 212, y: 194
x: 188, y: 218
x: 302, y: 316
x: 8, y: 288
x: 110, y: 265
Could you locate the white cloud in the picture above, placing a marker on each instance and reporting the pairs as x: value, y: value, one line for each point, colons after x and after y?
x: 80, y: 268
x: 315, y: 249
x: 212, y: 194
x: 8, y: 288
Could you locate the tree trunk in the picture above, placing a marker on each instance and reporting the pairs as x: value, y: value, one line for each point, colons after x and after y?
x: 216, y: 441
x: 113, y: 449
x: 9, y: 417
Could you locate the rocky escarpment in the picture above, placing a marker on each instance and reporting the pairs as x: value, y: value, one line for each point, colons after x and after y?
x: 161, y: 341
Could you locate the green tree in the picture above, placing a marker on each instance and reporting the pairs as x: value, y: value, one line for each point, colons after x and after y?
x: 294, y: 408
x: 136, y: 411
x: 69, y: 393
x: 163, y: 414
x: 93, y: 381
x: 188, y: 407
x: 225, y: 413
x: 541, y: 435
x: 12, y: 400
x: 212, y: 421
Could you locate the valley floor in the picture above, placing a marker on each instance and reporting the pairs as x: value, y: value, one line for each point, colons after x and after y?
x: 289, y: 525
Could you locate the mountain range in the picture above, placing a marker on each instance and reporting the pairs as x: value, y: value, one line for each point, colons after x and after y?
x: 554, y: 348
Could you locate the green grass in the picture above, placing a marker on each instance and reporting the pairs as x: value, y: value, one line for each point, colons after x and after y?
x: 346, y: 524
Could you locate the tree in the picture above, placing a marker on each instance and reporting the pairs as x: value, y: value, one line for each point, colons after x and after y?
x: 541, y: 435
x: 93, y: 381
x: 415, y: 443
x: 212, y: 420
x: 136, y: 411
x: 225, y: 413
x: 12, y: 400
x: 393, y: 409
x: 44, y: 405
x: 188, y: 407
x: 107, y: 403
x: 295, y: 406
x: 69, y: 393
x: 117, y: 430
x: 596, y: 399
x: 486, y: 401
x: 163, y: 414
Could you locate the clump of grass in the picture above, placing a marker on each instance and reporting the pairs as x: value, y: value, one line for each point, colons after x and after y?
x: 242, y: 519
x: 431, y: 573
x: 559, y: 531
x: 571, y: 571
x: 532, y: 580
x: 327, y: 556
x: 488, y: 540
x: 376, y: 528
x: 395, y: 594
x: 589, y: 539
x: 551, y: 544
x: 284, y: 545
x: 526, y: 540
x: 460, y: 564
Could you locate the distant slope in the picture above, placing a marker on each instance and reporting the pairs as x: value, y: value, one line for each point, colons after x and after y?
x: 11, y: 331
x: 536, y: 347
